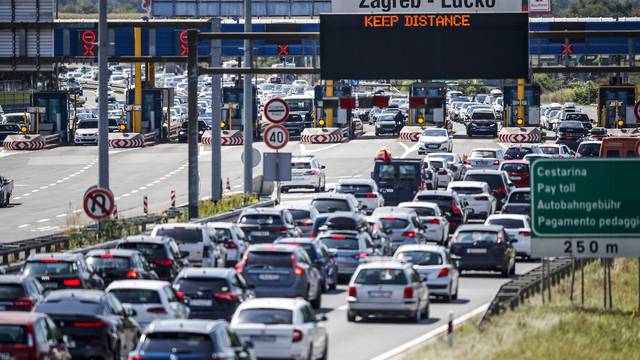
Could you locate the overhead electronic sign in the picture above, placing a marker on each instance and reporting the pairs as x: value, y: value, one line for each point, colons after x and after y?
x: 425, y: 6
x: 424, y: 46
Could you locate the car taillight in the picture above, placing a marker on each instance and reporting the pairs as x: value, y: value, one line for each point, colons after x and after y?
x: 454, y: 238
x: 434, y: 222
x: 496, y: 162
x: 205, y: 252
x: 408, y: 293
x: 372, y: 195
x: 132, y: 274
x: 23, y: 303
x: 135, y: 357
x: 337, y: 237
x: 49, y: 261
x: 524, y: 233
x: 180, y: 294
x: 163, y: 262
x: 283, y: 229
x: 297, y: 336
x: 500, y: 239
x: 443, y: 272
x: 482, y: 198
x: 297, y: 270
x: 567, y: 137
x: 501, y: 190
x: 362, y: 255
x: 307, y: 222
x: 353, y: 292
x: 106, y: 256
x: 455, y: 209
x: 409, y: 233
x: 230, y: 245
x: 442, y: 172
x: 71, y: 282
x: 311, y: 172
x: 157, y: 310
x: 468, y: 162
x: 95, y: 324
x: 240, y: 265
x: 225, y: 296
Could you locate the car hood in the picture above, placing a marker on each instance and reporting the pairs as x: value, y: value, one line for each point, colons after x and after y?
x: 433, y: 139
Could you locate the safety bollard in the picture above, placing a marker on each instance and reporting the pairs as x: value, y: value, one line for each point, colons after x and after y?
x: 173, y: 198
x: 145, y: 208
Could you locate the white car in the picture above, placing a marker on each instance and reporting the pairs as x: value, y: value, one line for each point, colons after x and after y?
x: 434, y: 265
x: 441, y: 170
x: 557, y: 151
x: 457, y: 167
x: 233, y: 240
x: 151, y: 299
x: 477, y: 196
x: 365, y: 191
x: 306, y: 173
x: 485, y: 158
x: 518, y: 227
x: 86, y: 132
x: 281, y: 328
x: 435, y: 140
x: 197, y: 240
x: 431, y: 217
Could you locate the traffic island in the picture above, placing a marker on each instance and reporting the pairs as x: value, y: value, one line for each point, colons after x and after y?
x: 126, y: 140
x: 227, y: 137
x: 520, y: 135
x: 24, y: 142
x: 321, y: 135
x: 410, y: 133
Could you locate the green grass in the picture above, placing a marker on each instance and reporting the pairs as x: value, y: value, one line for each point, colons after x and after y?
x: 227, y: 203
x: 556, y: 330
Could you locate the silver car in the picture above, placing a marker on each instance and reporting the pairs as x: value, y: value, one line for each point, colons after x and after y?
x: 383, y: 288
x: 434, y: 265
x: 402, y: 225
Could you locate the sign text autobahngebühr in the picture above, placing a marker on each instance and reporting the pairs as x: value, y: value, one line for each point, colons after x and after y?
x: 585, y: 198
x: 425, y: 6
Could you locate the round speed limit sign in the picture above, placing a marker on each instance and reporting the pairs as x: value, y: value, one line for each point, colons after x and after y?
x: 276, y: 136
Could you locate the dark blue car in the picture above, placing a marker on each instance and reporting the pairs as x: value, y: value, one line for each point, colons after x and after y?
x: 321, y: 257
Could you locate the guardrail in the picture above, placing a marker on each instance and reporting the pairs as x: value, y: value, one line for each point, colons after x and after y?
x: 515, y: 292
x: 53, y: 139
x: 151, y: 137
x: 173, y: 131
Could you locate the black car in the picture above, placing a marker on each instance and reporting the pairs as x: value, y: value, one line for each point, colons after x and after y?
x: 389, y: 123
x: 8, y: 129
x: 212, y: 293
x: 518, y: 202
x: 571, y: 133
x: 300, y: 114
x: 119, y: 264
x: 62, y: 271
x: 581, y: 117
x: 95, y: 323
x: 483, y: 247
x: 161, y: 251
x: 19, y: 292
x: 262, y: 225
x: 518, y: 151
x: 482, y: 122
x: 183, y: 134
x: 398, y: 180
x: 321, y: 258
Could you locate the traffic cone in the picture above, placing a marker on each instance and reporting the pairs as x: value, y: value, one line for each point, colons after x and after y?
x: 228, y: 186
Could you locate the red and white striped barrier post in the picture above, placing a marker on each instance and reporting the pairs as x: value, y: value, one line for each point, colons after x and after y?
x: 173, y: 198
x: 228, y: 187
x: 450, y: 329
x: 145, y: 208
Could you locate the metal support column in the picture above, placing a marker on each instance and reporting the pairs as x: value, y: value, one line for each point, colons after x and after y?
x: 103, y: 83
x: 192, y: 131
x: 247, y: 114
x: 216, y: 115
x: 137, y: 107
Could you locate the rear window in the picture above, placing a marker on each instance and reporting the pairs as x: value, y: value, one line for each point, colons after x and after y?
x: 223, y: 234
x: 150, y: 251
x: 394, y: 223
x: 494, y: 181
x: 473, y: 236
x: 407, y: 172
x: 393, y: 172
x: 550, y: 150
x: 49, y: 268
x: 340, y: 242
x: 99, y: 263
x: 484, y: 154
x: 515, y: 168
x: 136, y: 296
x: 176, y: 343
x: 353, y: 189
x: 330, y: 205
x: 182, y: 235
x: 13, y: 334
x: 517, y: 152
x: 203, y: 285
x: 9, y: 127
x: 520, y: 198
x: 11, y: 291
x: 422, y: 258
x: 261, y: 219
x: 67, y: 306
x: 266, y: 316
x: 467, y: 190
x: 299, y: 214
x: 300, y: 165
x: 269, y: 259
x: 425, y: 211
x: 381, y: 277
x: 589, y: 149
x: 341, y: 223
x: 443, y: 202
x: 508, y: 223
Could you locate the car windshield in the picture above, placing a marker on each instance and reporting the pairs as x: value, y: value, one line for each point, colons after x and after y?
x: 494, y: 181
x: 176, y: 343
x: 300, y: 165
x: 520, y: 197
x: 577, y: 117
x: 108, y: 262
x: 330, y: 205
x: 136, y: 296
x: 464, y: 190
x: 13, y: 334
x: 150, y: 251
x: 515, y: 167
x: 387, y: 117
x: 261, y: 219
x: 11, y: 291
x: 473, y: 236
x: 87, y: 124
x: 9, y: 127
x: 590, y: 150
x: 269, y: 259
x: 423, y: 258
x: 266, y: 316
x: 484, y: 115
x: 550, y: 150
x: 353, y: 188
x: 340, y: 242
x: 484, y: 154
x: 206, y: 286
x: 508, y: 223
x: 182, y: 235
x: 381, y: 277
x: 300, y: 104
x: 434, y: 132
x: 394, y: 223
x: 47, y: 267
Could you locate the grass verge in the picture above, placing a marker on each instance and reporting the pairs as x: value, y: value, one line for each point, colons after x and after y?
x: 559, y: 329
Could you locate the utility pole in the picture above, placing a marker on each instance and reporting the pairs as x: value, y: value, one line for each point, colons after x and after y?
x: 103, y: 83
x: 216, y: 115
x: 192, y: 131
x: 247, y: 115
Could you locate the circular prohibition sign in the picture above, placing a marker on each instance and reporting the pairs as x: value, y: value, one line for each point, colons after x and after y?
x: 276, y: 110
x: 276, y: 136
x: 98, y: 203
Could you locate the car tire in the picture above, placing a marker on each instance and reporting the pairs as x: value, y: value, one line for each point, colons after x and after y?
x: 310, y: 352
x: 377, y: 133
x: 325, y: 351
x: 317, y: 302
x: 506, y: 272
x: 417, y: 317
x: 469, y: 134
x: 426, y: 311
x: 455, y: 295
x: 116, y: 352
x: 351, y: 317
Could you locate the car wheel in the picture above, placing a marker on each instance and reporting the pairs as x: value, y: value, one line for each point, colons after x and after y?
x: 317, y: 302
x: 469, y: 134
x: 334, y: 285
x: 506, y: 272
x: 425, y: 313
x: 418, y: 316
x: 325, y: 351
x: 284, y: 190
x: 377, y: 133
x: 310, y: 352
x: 116, y: 352
x: 455, y: 295
x: 351, y: 317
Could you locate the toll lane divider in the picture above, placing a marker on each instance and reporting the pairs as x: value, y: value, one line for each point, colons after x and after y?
x: 322, y: 135
x: 126, y: 140
x: 227, y: 137
x: 520, y: 135
x: 410, y: 133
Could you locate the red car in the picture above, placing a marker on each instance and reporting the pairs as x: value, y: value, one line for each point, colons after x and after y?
x: 30, y: 336
x: 518, y: 171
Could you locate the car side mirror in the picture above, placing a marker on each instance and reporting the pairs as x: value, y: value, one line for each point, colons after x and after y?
x: 321, y: 317
x: 513, y: 241
x: 248, y: 344
x: 423, y: 278
x: 130, y: 312
x: 184, y: 254
x: 388, y: 231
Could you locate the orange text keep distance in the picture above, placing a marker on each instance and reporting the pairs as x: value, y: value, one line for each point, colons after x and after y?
x: 457, y: 20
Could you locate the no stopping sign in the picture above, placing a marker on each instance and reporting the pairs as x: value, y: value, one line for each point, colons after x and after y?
x: 276, y: 110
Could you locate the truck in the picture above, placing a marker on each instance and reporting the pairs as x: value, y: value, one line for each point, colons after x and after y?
x: 398, y: 180
x: 6, y: 188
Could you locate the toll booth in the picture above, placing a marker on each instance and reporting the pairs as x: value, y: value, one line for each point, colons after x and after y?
x: 341, y: 104
x: 531, y: 105
x: 428, y: 102
x: 616, y: 103
x: 232, y: 104
x: 55, y: 117
x: 152, y: 117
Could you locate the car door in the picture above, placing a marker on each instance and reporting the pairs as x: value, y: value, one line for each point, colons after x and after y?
x: 314, y: 275
x: 311, y: 326
x: 416, y: 283
x: 128, y: 328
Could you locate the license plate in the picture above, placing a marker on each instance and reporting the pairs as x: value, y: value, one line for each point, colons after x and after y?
x: 387, y: 190
x: 476, y: 251
x: 259, y: 233
x: 516, y: 178
x: 432, y: 146
x: 379, y: 294
x: 268, y: 277
x: 197, y: 302
x: 343, y: 258
x: 50, y: 285
x: 263, y: 338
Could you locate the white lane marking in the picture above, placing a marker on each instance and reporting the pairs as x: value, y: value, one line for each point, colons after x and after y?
x: 431, y: 334
x: 26, y: 195
x: 236, y: 186
x: 125, y: 195
x: 17, y: 198
x: 134, y: 191
x: 142, y: 188
x: 304, y: 151
x: 52, y: 184
x: 35, y: 190
x: 76, y: 211
x: 44, y: 187
x: 43, y: 220
x: 61, y: 215
x: 23, y: 226
x: 343, y: 307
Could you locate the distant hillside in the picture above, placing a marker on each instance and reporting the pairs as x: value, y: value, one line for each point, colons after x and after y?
x: 91, y: 6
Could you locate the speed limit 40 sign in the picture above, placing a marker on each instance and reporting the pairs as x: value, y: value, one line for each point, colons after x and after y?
x: 276, y: 136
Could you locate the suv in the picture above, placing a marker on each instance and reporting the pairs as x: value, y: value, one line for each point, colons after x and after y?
x: 262, y: 225
x: 398, y: 180
x: 483, y: 122
x: 589, y: 148
x: 518, y: 151
x: 365, y: 191
x: 61, y: 270
x: 303, y: 216
x: 519, y: 202
x: 571, y: 133
x: 581, y: 117
x: 30, y: 336
x: 282, y: 271
x: 321, y: 258
x: 183, y: 134
x: 300, y: 113
x: 402, y: 224
x: 19, y: 292
x: 498, y: 181
x: 307, y: 173
x: 518, y: 171
x: 483, y: 247
x: 332, y: 202
x: 119, y: 264
x: 198, y: 240
x: 449, y: 203
x: 161, y: 251
x: 349, y: 248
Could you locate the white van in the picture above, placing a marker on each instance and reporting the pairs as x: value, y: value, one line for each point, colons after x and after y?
x: 196, y: 239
